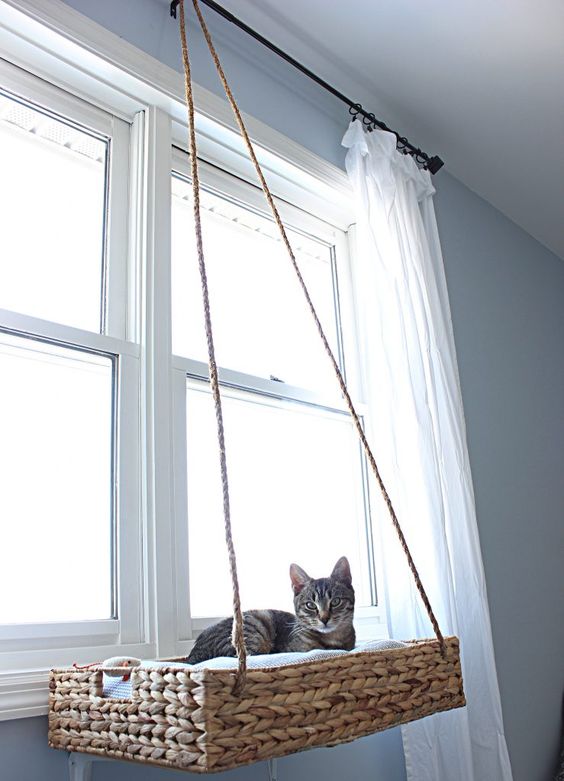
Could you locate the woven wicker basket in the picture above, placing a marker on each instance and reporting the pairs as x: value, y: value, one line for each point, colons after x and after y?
x: 190, y: 720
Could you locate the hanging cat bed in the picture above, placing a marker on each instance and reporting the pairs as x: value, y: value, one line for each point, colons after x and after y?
x: 205, y: 719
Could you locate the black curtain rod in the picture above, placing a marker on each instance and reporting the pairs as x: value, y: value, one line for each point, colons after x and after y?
x: 432, y: 164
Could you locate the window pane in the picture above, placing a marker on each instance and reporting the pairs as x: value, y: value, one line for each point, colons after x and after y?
x: 261, y: 322
x: 52, y: 193
x: 296, y: 492
x: 56, y: 483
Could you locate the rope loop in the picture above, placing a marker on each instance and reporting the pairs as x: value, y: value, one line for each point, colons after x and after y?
x: 238, y: 638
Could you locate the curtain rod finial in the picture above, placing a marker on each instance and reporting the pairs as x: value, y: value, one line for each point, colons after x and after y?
x: 434, y: 164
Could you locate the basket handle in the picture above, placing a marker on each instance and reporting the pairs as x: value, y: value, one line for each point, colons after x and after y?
x: 238, y: 638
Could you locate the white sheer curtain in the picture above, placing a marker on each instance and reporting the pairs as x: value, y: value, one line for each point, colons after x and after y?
x: 418, y: 435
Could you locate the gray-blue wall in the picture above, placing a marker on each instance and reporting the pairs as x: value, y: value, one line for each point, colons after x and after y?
x: 507, y: 298
x: 25, y: 756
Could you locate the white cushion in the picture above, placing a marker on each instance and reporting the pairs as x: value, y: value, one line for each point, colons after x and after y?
x: 117, y: 687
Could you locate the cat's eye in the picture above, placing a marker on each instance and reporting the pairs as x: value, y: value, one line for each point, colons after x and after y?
x: 336, y: 602
x: 311, y: 605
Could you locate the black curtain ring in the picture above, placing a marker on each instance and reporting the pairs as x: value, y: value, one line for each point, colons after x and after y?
x: 355, y: 110
x: 370, y: 121
x: 419, y: 156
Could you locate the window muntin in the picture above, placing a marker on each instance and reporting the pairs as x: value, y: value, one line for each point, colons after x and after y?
x: 261, y: 322
x: 56, y: 502
x: 53, y: 194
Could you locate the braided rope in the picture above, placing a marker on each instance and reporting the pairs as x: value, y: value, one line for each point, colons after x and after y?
x: 328, y: 350
x: 238, y: 637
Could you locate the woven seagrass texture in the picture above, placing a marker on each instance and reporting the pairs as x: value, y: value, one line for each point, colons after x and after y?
x: 191, y: 720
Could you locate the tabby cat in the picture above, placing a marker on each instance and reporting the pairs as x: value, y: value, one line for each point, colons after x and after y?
x: 323, y: 619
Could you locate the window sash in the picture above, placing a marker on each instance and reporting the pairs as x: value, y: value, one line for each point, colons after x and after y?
x: 370, y: 622
x: 359, y: 521
x: 129, y: 626
x: 40, y: 369
x: 347, y: 353
x: 114, y: 302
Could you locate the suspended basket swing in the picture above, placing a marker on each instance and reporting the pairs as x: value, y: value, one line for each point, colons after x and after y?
x: 208, y: 719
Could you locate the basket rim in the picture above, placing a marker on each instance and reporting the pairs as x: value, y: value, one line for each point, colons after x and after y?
x: 451, y: 642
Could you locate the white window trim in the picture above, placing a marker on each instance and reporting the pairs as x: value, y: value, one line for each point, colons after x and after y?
x: 60, y: 45
x: 31, y: 648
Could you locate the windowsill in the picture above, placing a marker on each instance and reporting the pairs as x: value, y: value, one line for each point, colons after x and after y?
x: 23, y: 694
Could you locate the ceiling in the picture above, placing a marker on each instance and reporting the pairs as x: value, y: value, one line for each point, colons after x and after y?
x: 481, y: 84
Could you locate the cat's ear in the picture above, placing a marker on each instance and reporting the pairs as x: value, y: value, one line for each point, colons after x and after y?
x: 342, y: 571
x: 299, y: 578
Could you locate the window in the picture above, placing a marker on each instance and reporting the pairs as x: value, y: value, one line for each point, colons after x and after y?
x: 69, y: 406
x: 297, y: 481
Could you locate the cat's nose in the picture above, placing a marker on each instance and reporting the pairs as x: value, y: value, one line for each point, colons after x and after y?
x: 324, y: 618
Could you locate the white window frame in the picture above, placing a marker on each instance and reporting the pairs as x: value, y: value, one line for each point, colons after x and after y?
x: 102, y: 72
x: 370, y: 621
x: 36, y: 645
